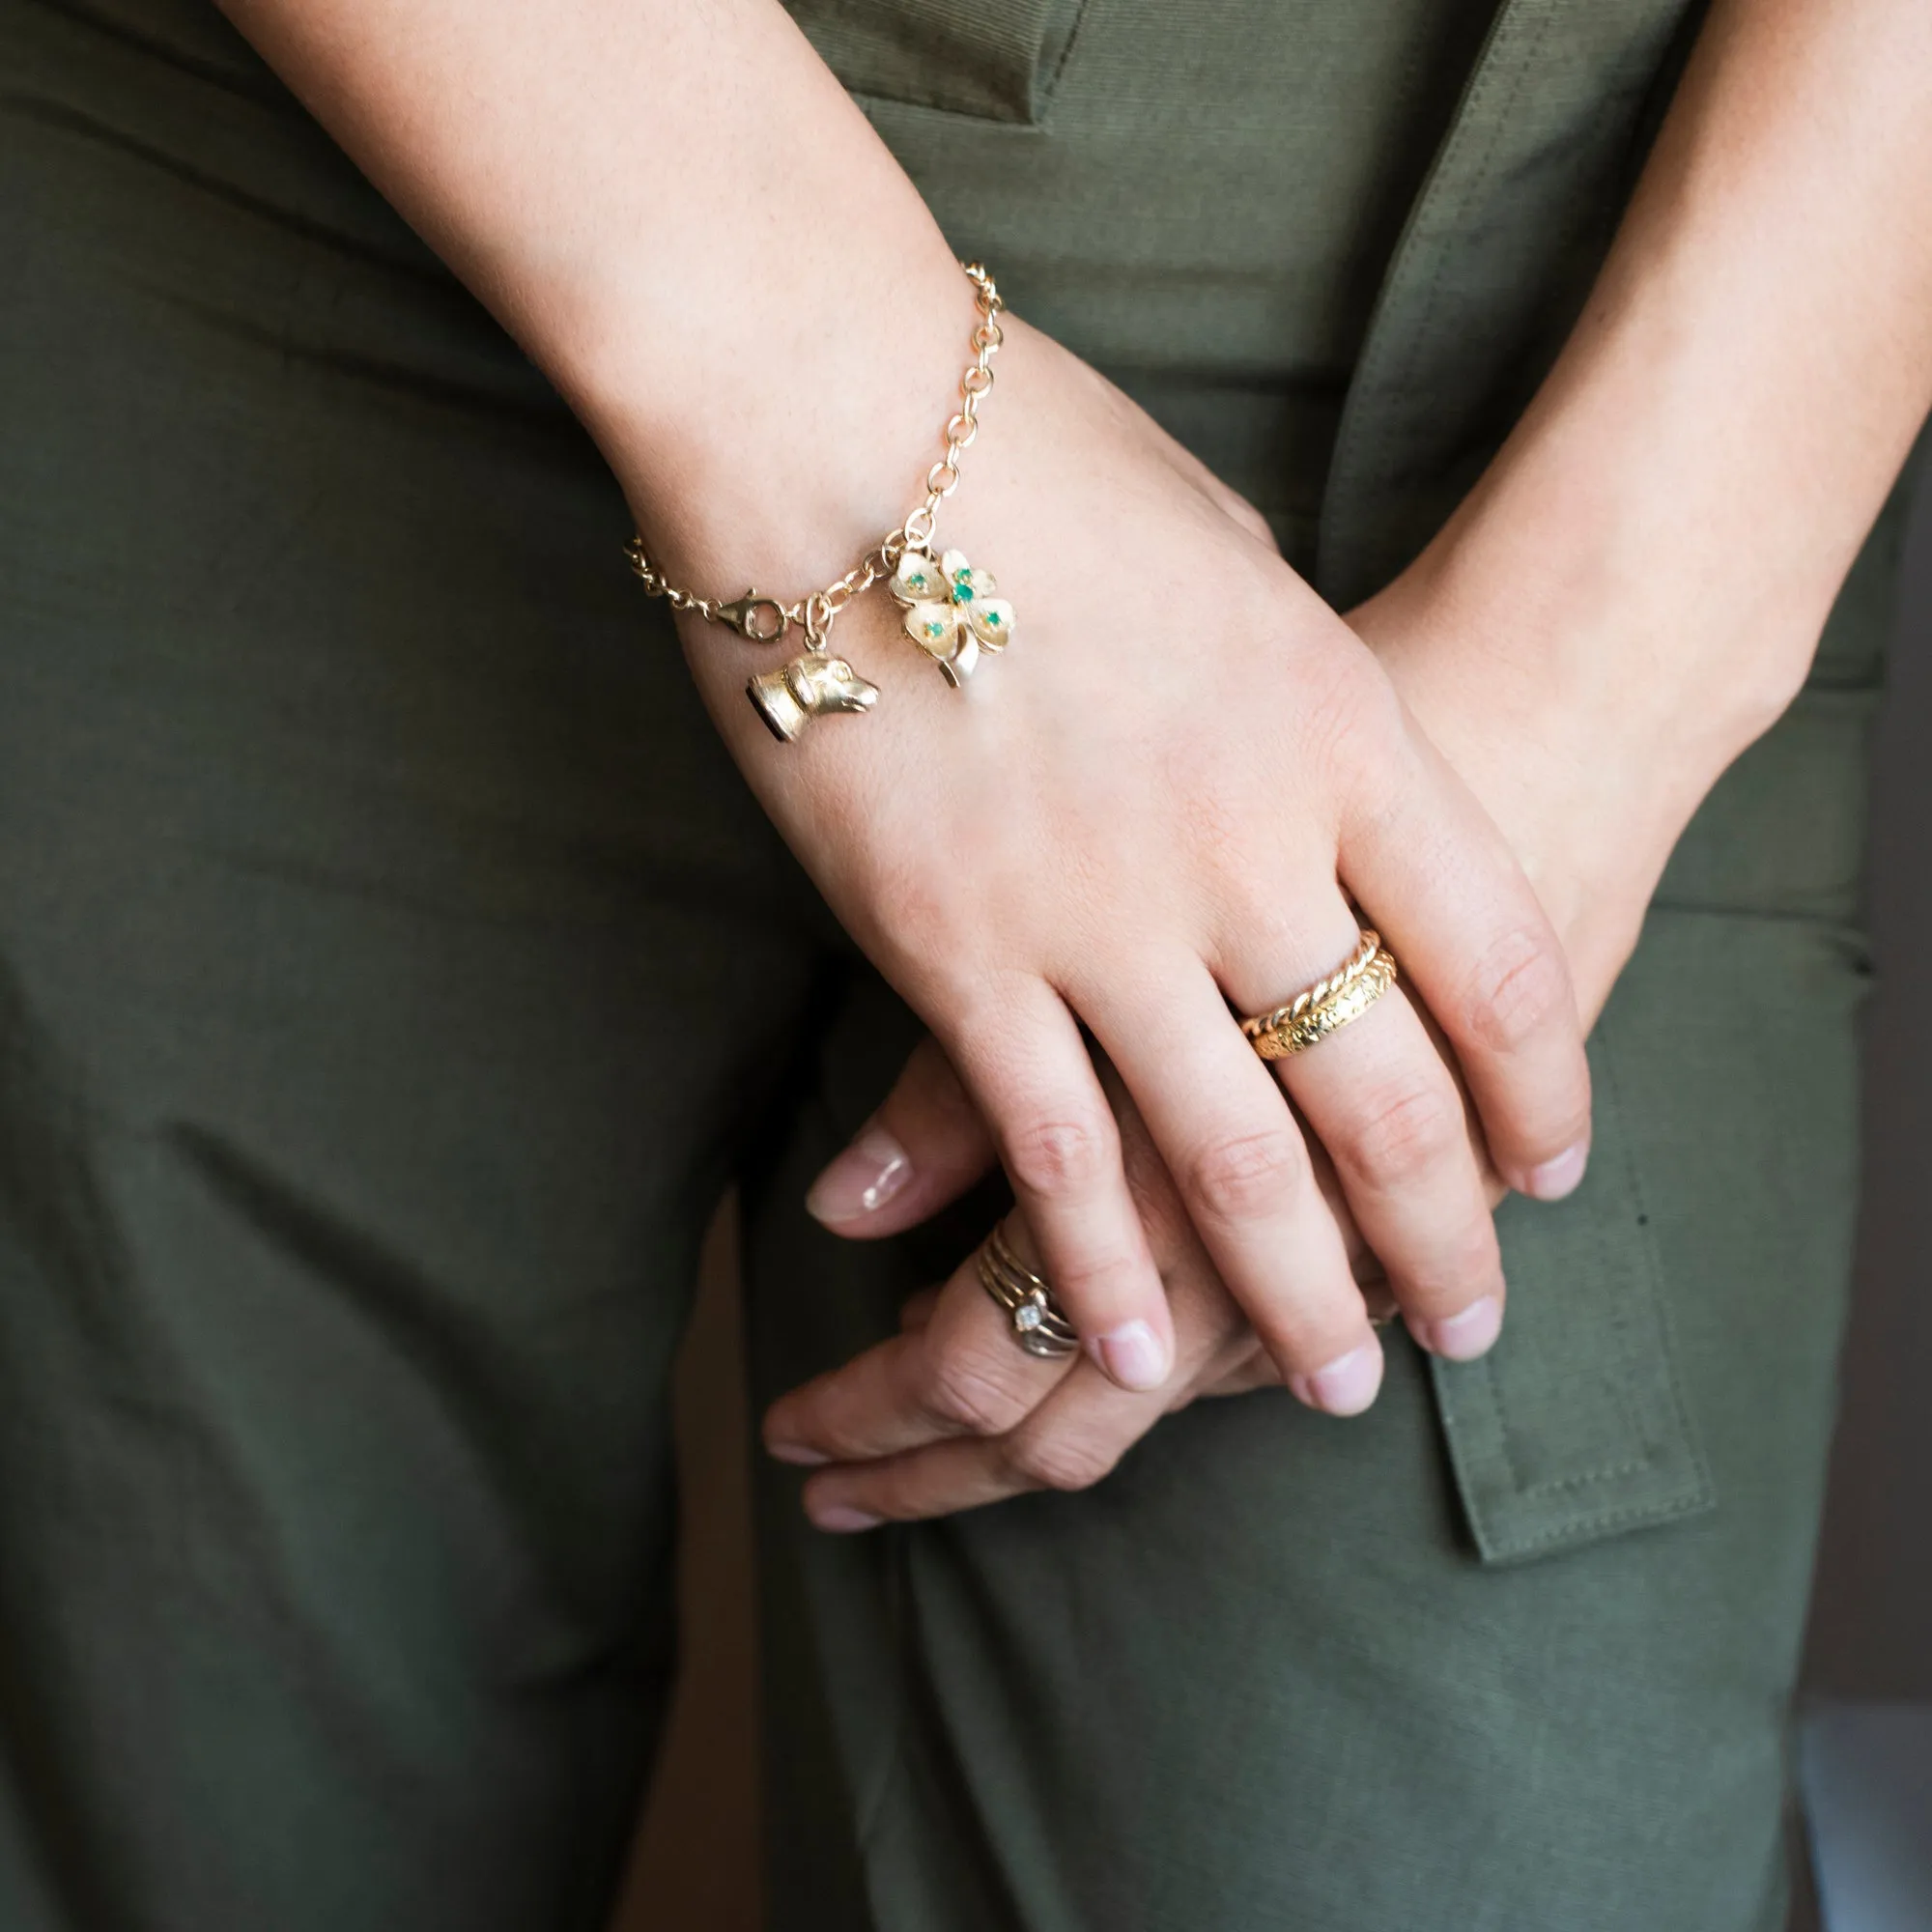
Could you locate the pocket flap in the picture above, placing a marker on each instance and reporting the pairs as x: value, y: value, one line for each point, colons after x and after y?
x: 995, y: 60
x: 1574, y: 1427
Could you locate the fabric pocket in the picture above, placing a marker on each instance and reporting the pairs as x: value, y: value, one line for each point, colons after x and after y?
x: 995, y: 60
x: 1575, y: 1427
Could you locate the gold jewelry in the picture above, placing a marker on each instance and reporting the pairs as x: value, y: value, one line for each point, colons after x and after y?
x: 809, y: 686
x: 1039, y: 1326
x: 1327, y: 1006
x: 951, y: 612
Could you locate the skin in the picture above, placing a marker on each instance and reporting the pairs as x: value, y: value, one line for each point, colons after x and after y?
x: 682, y: 216
x: 1629, y: 596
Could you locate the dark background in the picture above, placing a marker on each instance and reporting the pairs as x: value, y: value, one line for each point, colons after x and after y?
x: 1873, y: 1611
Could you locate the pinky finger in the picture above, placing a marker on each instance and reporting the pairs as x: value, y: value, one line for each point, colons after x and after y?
x: 1072, y: 1440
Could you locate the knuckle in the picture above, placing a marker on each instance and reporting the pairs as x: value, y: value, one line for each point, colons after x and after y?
x: 1059, y: 1155
x: 1061, y: 1460
x: 1345, y: 711
x: 1093, y: 1282
x: 1212, y: 824
x: 1519, y: 985
x: 1461, y: 1262
x: 1104, y: 1286
x: 925, y: 932
x: 965, y: 1393
x: 1405, y: 1131
x: 1246, y: 1176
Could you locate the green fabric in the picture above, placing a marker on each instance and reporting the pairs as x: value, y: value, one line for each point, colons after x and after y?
x: 1498, y: 255
x: 392, y: 971
x: 1228, y: 293
x: 391, y: 965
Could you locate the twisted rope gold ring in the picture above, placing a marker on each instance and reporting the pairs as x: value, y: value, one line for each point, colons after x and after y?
x: 1327, y: 1006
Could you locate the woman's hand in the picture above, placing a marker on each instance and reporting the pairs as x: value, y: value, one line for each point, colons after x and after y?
x: 1634, y: 588
x: 949, y: 1413
x: 1159, y: 801
x: 1152, y: 803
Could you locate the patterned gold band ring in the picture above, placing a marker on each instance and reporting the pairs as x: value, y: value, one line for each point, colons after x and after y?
x: 1327, y: 1006
x: 1039, y: 1326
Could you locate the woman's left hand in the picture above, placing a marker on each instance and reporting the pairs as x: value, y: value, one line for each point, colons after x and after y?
x: 951, y: 1413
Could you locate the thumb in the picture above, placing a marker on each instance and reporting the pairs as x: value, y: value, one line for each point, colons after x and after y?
x: 924, y: 1148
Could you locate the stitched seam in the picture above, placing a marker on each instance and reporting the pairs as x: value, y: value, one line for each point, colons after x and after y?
x: 1418, y: 335
x: 1370, y: 370
x: 1620, y: 1323
x: 1073, y: 33
x: 1679, y: 1502
x: 1701, y: 1489
x: 1039, y: 95
x: 1652, y: 1288
x: 1606, y: 1473
x: 1507, y: 1436
x: 1589, y: 1476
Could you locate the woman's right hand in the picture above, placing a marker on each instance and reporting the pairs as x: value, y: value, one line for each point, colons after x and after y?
x: 948, y: 1414
x: 1160, y: 800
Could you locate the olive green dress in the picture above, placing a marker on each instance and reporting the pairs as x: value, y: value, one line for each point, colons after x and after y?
x: 394, y: 970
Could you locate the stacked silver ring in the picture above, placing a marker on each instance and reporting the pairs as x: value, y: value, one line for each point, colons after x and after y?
x: 1039, y: 1326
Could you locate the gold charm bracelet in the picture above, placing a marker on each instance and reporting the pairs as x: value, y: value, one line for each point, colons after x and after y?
x: 950, y: 610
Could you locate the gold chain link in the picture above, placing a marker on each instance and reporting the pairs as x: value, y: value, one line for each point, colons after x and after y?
x: 764, y: 620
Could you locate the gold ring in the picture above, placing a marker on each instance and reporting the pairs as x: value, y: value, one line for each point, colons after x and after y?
x: 1327, y: 1006
x: 1039, y: 1326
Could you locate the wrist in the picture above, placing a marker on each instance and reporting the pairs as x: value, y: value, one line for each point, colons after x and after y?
x: 1608, y: 598
x: 774, y: 433
x: 1564, y: 695
x: 950, y: 610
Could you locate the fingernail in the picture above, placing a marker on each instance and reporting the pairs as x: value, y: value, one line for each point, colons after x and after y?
x: 838, y: 1517
x: 1133, y: 1355
x: 1346, y: 1386
x: 1556, y: 1178
x: 1461, y: 1337
x: 796, y: 1453
x: 860, y: 1180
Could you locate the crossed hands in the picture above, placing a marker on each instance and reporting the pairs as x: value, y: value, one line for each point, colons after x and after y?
x: 1173, y: 794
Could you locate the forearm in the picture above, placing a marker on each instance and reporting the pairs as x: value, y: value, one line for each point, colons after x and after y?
x: 1655, y: 551
x: 690, y: 227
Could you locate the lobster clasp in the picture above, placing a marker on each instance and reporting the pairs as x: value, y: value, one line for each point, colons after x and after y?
x: 761, y: 620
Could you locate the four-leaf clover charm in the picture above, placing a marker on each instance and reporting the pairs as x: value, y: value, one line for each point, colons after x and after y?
x: 951, y: 614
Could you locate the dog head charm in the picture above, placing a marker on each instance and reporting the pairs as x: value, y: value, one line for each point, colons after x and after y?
x: 789, y: 699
